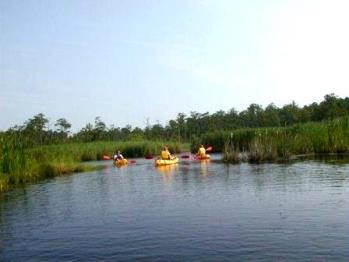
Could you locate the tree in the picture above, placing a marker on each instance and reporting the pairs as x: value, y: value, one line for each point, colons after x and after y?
x: 137, y: 134
x: 35, y: 128
x: 332, y: 107
x: 63, y: 127
x: 314, y: 111
x: 193, y: 124
x: 252, y: 116
x: 126, y: 131
x: 181, y: 122
x: 114, y: 133
x: 290, y: 114
x: 86, y: 133
x: 172, y: 130
x: 218, y: 121
x: 37, y: 123
x: 233, y: 119
x: 157, y: 131
x: 99, y: 129
x: 271, y: 116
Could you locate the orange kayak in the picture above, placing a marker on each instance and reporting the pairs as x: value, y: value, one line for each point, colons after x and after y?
x: 205, y: 157
x: 121, y: 162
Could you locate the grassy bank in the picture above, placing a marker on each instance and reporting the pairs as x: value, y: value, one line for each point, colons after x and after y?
x: 270, y: 144
x: 96, y: 150
x: 19, y: 166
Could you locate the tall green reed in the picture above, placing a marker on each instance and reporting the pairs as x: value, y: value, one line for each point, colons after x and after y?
x: 269, y: 144
x: 19, y: 165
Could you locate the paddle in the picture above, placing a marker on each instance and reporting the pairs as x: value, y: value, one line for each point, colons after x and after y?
x: 209, y: 149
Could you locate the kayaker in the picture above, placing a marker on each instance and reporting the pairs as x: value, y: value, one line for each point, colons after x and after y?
x: 165, y: 154
x: 118, y: 156
x: 202, y: 151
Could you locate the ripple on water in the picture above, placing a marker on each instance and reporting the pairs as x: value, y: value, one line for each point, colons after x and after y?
x: 191, y: 211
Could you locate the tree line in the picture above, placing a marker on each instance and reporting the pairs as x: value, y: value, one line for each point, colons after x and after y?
x: 36, y: 131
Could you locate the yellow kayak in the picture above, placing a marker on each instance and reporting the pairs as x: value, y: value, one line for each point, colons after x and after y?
x: 121, y: 162
x: 162, y: 162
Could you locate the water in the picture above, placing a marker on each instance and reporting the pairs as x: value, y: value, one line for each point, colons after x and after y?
x: 192, y: 212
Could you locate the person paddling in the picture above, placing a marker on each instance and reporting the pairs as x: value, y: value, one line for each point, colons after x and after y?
x: 202, y: 151
x: 165, y: 154
x: 118, y: 156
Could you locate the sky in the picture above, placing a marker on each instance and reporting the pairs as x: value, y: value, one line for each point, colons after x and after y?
x: 133, y: 62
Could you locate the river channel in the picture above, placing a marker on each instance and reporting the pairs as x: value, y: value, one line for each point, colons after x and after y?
x: 192, y: 211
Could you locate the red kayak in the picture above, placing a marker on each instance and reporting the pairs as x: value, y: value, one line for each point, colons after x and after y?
x: 106, y: 157
x: 205, y: 157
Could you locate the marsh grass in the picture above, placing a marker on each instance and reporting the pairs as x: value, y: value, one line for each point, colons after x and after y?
x: 19, y: 166
x: 230, y: 154
x: 96, y: 150
x: 273, y: 144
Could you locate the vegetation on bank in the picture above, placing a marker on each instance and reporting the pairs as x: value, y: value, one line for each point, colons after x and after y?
x: 37, y: 149
x: 96, y: 150
x: 38, y: 130
x: 281, y: 143
x: 20, y: 165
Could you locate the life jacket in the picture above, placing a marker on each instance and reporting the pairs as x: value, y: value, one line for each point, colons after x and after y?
x: 165, y: 154
x: 202, y: 151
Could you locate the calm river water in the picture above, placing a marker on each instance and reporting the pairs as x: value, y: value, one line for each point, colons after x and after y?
x: 189, y: 212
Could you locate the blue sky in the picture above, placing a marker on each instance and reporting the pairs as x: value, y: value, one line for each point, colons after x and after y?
x: 129, y: 61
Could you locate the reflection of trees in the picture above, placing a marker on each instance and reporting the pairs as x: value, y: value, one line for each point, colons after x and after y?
x: 297, y: 176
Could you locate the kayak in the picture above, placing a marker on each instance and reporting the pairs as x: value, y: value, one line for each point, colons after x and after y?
x: 205, y: 157
x: 105, y: 157
x: 163, y: 162
x: 121, y: 162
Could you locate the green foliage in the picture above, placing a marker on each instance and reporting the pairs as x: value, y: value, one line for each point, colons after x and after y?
x: 19, y: 165
x: 32, y: 151
x: 269, y: 144
x: 12, y: 157
x: 34, y: 132
x: 231, y: 154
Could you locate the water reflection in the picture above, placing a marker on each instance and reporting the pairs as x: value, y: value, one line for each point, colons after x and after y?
x: 204, y: 167
x: 195, y: 209
x: 167, y: 172
x: 335, y: 159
